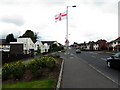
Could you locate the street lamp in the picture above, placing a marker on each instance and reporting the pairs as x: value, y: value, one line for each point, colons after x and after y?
x: 67, y: 26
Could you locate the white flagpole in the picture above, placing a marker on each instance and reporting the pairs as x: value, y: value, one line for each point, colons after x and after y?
x: 67, y: 28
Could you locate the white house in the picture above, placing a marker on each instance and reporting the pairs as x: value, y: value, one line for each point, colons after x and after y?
x: 96, y: 46
x: 46, y: 47
x: 43, y: 47
x: 116, y: 44
x: 27, y: 44
x: 88, y: 47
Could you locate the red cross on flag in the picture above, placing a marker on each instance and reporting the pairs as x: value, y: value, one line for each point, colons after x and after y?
x: 60, y: 16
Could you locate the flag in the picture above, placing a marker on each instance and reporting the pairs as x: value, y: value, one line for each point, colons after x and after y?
x: 60, y: 16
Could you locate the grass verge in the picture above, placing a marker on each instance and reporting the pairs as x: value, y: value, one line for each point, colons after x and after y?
x: 47, y: 83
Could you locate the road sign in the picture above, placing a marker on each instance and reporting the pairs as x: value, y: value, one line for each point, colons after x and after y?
x: 67, y: 42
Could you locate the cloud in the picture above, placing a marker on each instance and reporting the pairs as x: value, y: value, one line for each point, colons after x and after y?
x: 54, y: 2
x: 17, y: 20
x: 33, y: 2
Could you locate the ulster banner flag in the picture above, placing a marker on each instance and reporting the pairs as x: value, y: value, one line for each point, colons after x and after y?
x: 60, y: 16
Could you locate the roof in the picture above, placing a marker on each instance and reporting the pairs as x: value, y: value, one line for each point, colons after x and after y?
x: 118, y: 39
x: 110, y: 42
x: 48, y: 42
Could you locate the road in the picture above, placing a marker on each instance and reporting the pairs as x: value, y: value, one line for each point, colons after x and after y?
x: 91, y: 61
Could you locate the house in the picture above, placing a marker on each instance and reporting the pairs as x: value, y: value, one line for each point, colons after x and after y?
x: 83, y: 46
x: 28, y: 45
x: 91, y: 45
x: 111, y: 45
x: 96, y: 46
x: 49, y: 45
x: 43, y: 47
x: 102, y: 44
x: 116, y: 44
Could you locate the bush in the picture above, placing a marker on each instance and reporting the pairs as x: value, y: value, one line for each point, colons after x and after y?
x: 18, y: 69
x: 13, y: 70
x: 35, y: 68
x: 6, y: 71
x: 50, y: 62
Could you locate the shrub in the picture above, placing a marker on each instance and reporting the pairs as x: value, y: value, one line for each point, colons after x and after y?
x: 50, y: 62
x: 18, y: 69
x: 42, y: 61
x: 13, y: 70
x: 35, y: 68
x: 6, y: 71
x: 46, y: 62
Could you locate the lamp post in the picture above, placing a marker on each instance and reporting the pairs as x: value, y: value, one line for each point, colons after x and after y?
x: 67, y: 41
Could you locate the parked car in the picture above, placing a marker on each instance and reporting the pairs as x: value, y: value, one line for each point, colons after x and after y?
x: 114, y: 61
x: 78, y: 51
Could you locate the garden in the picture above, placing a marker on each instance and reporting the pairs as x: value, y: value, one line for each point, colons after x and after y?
x: 37, y: 73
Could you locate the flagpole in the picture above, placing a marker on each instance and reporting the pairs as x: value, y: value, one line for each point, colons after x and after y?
x: 67, y: 26
x: 67, y: 44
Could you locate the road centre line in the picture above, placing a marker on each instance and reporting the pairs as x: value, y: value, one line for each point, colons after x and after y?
x: 103, y: 59
x: 93, y: 56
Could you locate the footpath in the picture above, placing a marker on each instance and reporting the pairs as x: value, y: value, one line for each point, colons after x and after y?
x: 78, y: 74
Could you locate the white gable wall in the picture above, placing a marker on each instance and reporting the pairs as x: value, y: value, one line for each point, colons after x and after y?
x: 27, y: 44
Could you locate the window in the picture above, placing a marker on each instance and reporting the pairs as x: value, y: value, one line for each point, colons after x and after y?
x: 118, y: 41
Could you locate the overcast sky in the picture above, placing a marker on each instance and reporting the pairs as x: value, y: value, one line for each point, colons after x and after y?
x: 89, y: 20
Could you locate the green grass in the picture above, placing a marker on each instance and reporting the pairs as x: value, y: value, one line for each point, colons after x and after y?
x: 48, y: 83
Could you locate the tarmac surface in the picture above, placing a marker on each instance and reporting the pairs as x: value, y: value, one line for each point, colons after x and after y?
x: 79, y: 74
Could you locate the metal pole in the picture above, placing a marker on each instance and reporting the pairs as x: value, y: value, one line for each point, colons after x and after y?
x: 67, y: 25
x: 67, y: 30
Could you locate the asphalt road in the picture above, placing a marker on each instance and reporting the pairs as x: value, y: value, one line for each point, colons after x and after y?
x: 98, y: 62
x: 88, y: 70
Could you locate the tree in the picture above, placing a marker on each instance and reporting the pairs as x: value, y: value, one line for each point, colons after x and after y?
x: 10, y: 38
x: 30, y: 34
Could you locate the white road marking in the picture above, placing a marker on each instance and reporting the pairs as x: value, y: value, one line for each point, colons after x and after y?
x: 93, y: 56
x: 99, y: 71
x: 103, y: 59
x: 103, y: 74
x: 92, y: 53
x: 71, y: 54
x: 71, y: 57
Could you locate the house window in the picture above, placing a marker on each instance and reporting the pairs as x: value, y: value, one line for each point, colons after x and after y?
x: 118, y: 41
x: 25, y: 45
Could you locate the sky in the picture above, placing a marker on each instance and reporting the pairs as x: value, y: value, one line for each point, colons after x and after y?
x: 90, y: 20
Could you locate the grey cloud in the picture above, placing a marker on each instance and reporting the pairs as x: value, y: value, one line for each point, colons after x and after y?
x: 17, y: 20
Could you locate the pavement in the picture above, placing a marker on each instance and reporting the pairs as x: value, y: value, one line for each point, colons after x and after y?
x: 79, y: 74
